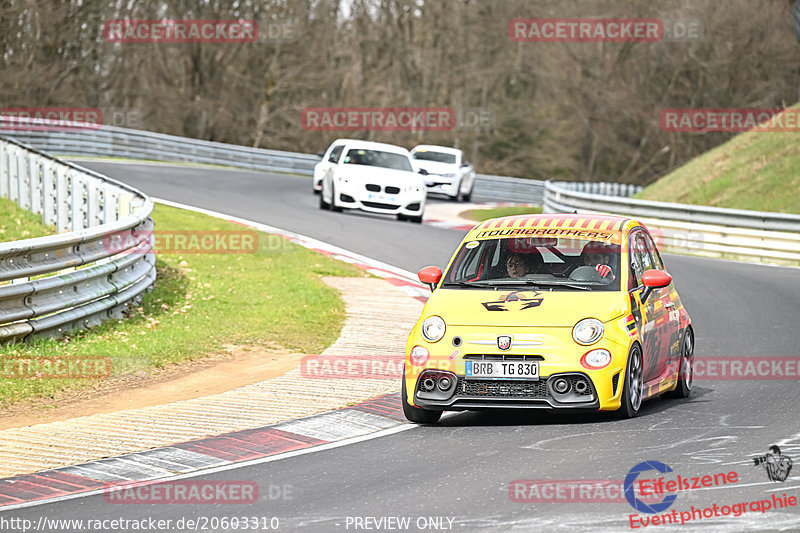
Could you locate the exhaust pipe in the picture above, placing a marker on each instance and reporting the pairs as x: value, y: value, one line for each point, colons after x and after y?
x: 429, y: 384
x: 581, y: 386
x: 561, y: 385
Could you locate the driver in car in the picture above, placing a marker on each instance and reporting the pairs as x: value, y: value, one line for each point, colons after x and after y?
x: 599, y: 256
x: 518, y: 265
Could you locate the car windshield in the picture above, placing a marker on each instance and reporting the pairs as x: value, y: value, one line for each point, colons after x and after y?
x: 377, y: 158
x: 439, y: 157
x: 558, y: 264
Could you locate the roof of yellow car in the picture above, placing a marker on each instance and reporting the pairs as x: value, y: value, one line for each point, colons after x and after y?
x: 573, y: 223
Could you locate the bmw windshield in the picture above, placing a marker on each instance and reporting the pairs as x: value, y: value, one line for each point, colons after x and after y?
x: 545, y: 264
x: 377, y: 158
x: 439, y: 157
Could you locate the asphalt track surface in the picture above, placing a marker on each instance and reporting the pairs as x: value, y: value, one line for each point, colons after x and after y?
x: 461, y: 469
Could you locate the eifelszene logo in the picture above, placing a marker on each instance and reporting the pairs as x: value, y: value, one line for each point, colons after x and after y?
x: 775, y: 463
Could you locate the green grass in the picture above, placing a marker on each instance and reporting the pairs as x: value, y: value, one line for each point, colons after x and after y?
x: 202, y: 302
x: 17, y: 223
x: 754, y: 170
x: 479, y: 215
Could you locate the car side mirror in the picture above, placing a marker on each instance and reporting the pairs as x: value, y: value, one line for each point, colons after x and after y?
x: 654, y: 279
x: 423, y: 172
x: 431, y: 275
x: 320, y: 154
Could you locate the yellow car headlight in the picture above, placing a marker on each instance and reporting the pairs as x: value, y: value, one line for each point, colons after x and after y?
x: 419, y: 356
x: 433, y: 328
x: 588, y: 331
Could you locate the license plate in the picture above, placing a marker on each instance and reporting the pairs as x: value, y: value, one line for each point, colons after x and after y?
x: 380, y: 198
x: 502, y: 370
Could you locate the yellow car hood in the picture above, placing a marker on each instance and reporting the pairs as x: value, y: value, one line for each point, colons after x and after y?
x: 475, y: 307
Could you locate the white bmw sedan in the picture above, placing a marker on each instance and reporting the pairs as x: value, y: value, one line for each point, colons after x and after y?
x: 373, y: 177
x: 445, y: 170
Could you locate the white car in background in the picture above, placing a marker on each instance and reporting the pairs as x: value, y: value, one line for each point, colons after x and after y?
x: 445, y: 171
x: 330, y: 157
x: 372, y: 177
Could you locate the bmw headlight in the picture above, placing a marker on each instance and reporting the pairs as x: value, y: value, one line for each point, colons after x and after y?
x: 588, y: 331
x: 433, y: 328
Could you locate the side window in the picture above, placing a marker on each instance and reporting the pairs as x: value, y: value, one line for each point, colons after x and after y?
x: 639, y: 257
x: 335, y: 153
x: 657, y: 263
x: 643, y: 256
x: 472, y: 264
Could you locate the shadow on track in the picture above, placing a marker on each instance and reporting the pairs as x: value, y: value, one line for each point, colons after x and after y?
x: 535, y: 417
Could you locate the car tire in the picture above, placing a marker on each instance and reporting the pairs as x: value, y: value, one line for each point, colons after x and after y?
x: 467, y: 197
x: 633, y: 385
x: 322, y: 203
x: 401, y: 217
x: 335, y: 208
x: 686, y: 371
x: 416, y: 220
x: 417, y: 414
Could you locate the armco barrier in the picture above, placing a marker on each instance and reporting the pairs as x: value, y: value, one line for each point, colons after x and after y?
x: 99, y: 263
x: 110, y: 141
x: 700, y: 230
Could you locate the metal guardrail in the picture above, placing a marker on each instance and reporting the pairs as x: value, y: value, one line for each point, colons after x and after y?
x: 110, y: 141
x: 696, y: 229
x: 505, y: 189
x: 599, y: 187
x: 95, y: 271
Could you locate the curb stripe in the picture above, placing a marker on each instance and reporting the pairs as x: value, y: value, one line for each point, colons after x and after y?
x: 376, y: 415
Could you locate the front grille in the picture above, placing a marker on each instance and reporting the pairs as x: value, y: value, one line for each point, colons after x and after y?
x: 487, y: 388
x: 392, y: 190
x: 502, y: 357
x: 374, y: 188
x: 379, y: 205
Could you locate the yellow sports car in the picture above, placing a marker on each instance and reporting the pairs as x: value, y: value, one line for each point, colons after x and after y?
x: 549, y: 311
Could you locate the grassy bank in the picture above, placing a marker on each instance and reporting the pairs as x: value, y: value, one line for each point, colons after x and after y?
x: 17, y: 223
x: 202, y: 303
x: 754, y: 170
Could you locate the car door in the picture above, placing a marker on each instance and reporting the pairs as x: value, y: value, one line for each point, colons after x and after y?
x: 467, y: 176
x: 330, y: 161
x: 652, y: 317
x: 671, y: 302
